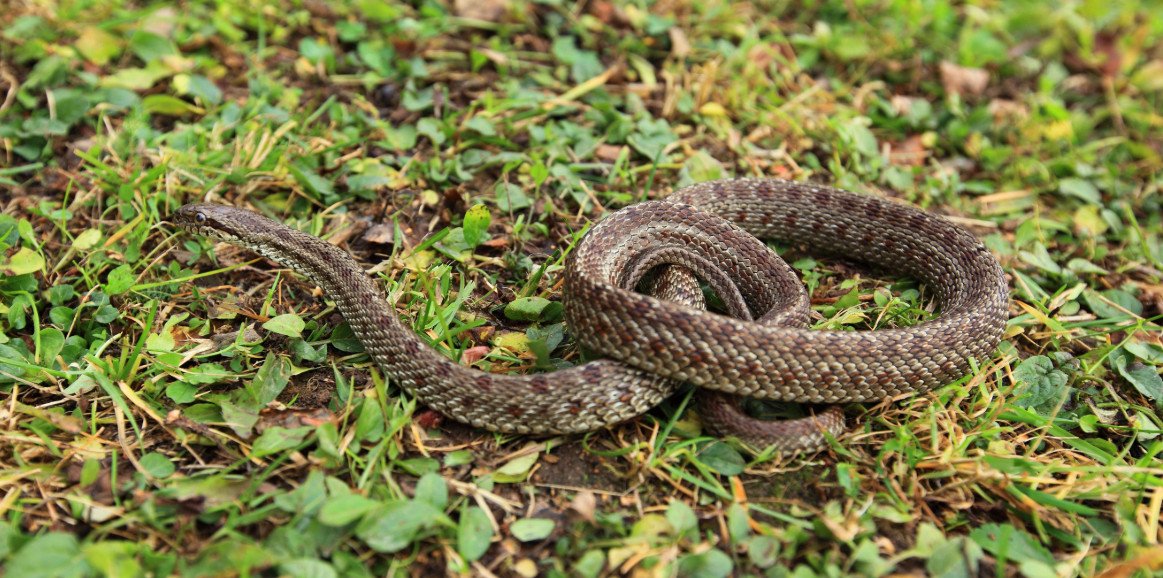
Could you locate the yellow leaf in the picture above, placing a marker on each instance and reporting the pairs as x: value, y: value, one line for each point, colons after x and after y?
x: 98, y: 46
x: 513, y: 341
x: 713, y: 109
x: 1088, y: 222
x: 24, y: 261
x: 87, y: 239
x: 516, y: 470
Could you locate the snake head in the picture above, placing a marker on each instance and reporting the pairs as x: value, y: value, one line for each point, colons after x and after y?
x: 214, y: 221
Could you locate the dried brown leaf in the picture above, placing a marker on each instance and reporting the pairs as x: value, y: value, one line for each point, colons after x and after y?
x: 963, y: 80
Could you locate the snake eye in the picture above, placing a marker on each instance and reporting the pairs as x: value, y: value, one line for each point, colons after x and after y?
x: 200, y: 217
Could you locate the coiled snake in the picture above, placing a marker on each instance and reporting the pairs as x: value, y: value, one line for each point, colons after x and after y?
x: 648, y: 344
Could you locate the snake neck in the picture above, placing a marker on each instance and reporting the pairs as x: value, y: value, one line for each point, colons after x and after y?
x: 397, y: 350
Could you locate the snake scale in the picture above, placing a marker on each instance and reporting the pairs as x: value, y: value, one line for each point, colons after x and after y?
x: 649, y: 344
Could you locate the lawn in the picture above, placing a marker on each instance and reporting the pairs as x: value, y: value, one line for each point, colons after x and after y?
x: 170, y: 406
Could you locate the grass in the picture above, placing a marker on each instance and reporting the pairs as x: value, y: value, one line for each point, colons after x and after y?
x: 169, y: 409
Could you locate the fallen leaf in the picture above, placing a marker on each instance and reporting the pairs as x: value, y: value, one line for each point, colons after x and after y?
x: 910, y: 153
x: 963, y: 80
x: 474, y: 354
x: 293, y: 418
x: 1106, y: 44
x: 380, y: 234
x: 1007, y: 110
x: 680, y: 47
x: 585, y: 504
x: 487, y: 10
x: 608, y: 152
x: 428, y: 418
x: 1149, y: 560
x: 902, y: 104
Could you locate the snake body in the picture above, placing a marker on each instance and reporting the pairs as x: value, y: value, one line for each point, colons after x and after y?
x: 762, y: 350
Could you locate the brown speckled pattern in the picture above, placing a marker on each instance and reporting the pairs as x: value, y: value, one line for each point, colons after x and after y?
x: 649, y: 342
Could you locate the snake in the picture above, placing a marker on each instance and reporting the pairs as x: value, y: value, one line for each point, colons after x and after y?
x: 634, y: 299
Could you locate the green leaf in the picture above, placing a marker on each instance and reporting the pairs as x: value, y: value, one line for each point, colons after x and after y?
x: 344, y: 339
x: 205, y: 374
x: 709, y: 564
x: 851, y: 46
x: 584, y: 64
x: 701, y: 167
x: 270, y: 379
x: 738, y: 523
x: 369, y: 425
x: 375, y: 55
x: 682, y: 517
x: 1041, y: 259
x: 955, y: 558
x: 763, y: 551
x: 476, y: 225
x: 432, y: 489
x: 311, y: 182
x: 368, y: 182
x: 590, y: 564
x: 526, y: 308
x: 61, y: 294
x: 722, y: 458
x: 277, y: 439
x: 530, y: 529
x: 652, y: 138
x: 136, y: 78
x: 510, y: 197
x: 651, y: 526
x: 1080, y: 189
x: 52, y: 341
x: 1037, y: 569
x: 1148, y: 352
x: 50, y: 555
x: 315, y: 51
x: 149, y: 46
x: 1007, y: 542
x: 158, y: 465
x: 395, y: 526
x: 306, y: 352
x: 345, y: 509
x: 160, y: 342
x: 458, y: 458
x: 399, y: 138
x: 1041, y: 386
x: 431, y: 128
x: 481, y: 125
x: 858, y: 137
x: 167, y: 105
x: 114, y: 558
x: 199, y: 87
x: 539, y: 172
x: 23, y: 262
x: 474, y: 533
x: 181, y: 392
x: 1143, y: 377
x: 307, y: 568
x: 1112, y: 303
x: 516, y: 470
x: 1082, y: 266
x: 308, y: 498
x: 287, y: 324
x: 106, y: 314
x: 44, y: 126
x: 119, y: 280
